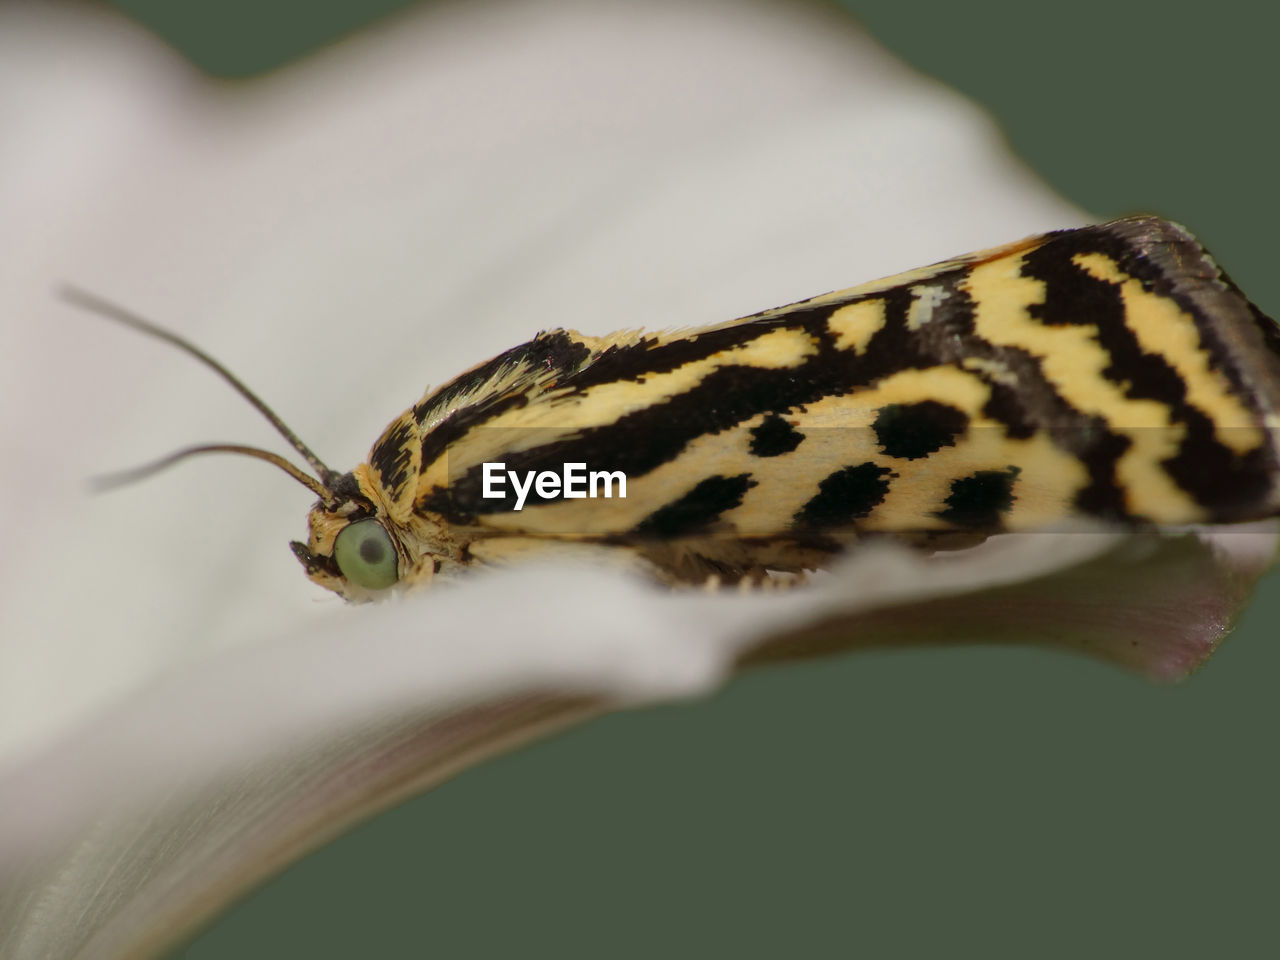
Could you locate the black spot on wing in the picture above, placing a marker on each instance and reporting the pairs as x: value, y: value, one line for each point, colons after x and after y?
x: 774, y: 437
x: 845, y: 495
x: 980, y: 499
x: 1229, y: 486
x: 914, y: 430
x: 1100, y: 450
x: 1008, y: 406
x: 698, y: 509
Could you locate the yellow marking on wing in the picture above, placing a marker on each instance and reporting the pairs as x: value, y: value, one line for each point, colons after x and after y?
x: 945, y: 384
x: 775, y: 350
x: 1164, y: 329
x: 1045, y: 490
x: 1073, y: 360
x: 1148, y: 489
x: 854, y: 325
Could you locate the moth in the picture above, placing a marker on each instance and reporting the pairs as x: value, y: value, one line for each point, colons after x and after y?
x: 1111, y: 372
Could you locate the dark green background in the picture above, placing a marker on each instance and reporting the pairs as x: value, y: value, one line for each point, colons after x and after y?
x: 955, y: 803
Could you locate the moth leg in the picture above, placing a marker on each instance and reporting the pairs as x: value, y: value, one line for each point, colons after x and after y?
x: 761, y: 580
x: 786, y: 580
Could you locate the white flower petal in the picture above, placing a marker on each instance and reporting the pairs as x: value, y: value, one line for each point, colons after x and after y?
x: 180, y: 718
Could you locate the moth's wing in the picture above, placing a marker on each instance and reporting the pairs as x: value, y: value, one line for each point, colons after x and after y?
x: 1111, y: 371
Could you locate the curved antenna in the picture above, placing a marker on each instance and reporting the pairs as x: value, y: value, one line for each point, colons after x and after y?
x: 110, y: 481
x: 95, y: 304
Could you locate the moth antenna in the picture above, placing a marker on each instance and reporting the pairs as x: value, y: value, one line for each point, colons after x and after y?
x: 105, y: 308
x: 110, y: 481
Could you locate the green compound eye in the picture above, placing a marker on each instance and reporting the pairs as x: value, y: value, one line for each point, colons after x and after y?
x: 366, y: 556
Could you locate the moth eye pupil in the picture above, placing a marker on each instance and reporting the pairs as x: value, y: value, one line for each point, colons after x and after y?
x: 371, y: 550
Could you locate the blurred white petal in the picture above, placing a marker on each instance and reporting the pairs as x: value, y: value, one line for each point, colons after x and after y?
x: 210, y: 780
x: 180, y: 716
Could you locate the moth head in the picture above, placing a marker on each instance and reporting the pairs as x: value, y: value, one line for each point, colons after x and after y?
x: 352, y: 554
x: 357, y: 544
x: 352, y: 547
